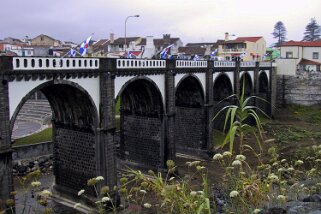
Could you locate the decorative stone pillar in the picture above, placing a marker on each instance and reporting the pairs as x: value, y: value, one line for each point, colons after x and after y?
x: 209, y: 111
x: 170, y: 111
x: 6, y: 179
x: 106, y: 157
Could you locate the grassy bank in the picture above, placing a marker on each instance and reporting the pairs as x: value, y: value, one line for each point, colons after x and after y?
x: 43, y: 136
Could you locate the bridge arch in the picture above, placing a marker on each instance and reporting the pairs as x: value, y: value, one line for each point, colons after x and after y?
x: 141, y: 123
x: 75, y: 121
x: 190, y: 115
x: 263, y: 92
x: 246, y: 81
x: 222, y: 88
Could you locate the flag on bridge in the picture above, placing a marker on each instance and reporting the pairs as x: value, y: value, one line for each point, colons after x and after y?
x: 196, y: 57
x: 164, y: 52
x: 213, y: 53
x: 242, y: 55
x: 84, y: 46
x: 129, y: 55
x: 72, y: 53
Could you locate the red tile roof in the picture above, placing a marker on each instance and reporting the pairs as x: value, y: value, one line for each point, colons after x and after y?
x: 248, y: 39
x: 308, y: 62
x: 302, y: 43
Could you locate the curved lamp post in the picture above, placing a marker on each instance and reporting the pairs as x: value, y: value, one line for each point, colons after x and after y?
x: 125, y: 27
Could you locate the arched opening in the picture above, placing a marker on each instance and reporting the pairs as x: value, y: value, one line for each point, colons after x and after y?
x: 190, y: 115
x: 246, y: 82
x: 263, y: 92
x: 222, y: 88
x: 75, y: 121
x: 141, y: 123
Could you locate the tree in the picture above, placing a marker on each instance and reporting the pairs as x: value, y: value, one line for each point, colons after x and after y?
x: 279, y: 33
x: 312, y: 31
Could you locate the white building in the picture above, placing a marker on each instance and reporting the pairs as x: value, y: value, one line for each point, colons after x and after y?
x: 299, y: 56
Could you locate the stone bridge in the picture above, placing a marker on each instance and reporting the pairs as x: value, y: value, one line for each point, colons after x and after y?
x: 166, y: 107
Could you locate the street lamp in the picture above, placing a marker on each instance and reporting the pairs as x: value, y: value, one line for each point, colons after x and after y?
x: 125, y: 27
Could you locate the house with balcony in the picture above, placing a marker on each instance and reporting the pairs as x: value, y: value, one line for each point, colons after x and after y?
x: 302, y: 55
x: 243, y: 48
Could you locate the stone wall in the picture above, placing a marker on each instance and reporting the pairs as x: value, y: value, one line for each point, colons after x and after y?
x: 190, y: 129
x: 303, y: 89
x: 141, y: 140
x: 32, y: 151
x: 74, y: 158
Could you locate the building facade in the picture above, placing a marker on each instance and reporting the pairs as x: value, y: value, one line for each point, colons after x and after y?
x: 243, y: 48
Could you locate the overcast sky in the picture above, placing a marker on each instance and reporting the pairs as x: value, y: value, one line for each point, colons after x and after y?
x: 191, y: 20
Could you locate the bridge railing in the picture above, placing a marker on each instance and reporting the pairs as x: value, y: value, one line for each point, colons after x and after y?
x: 224, y: 64
x: 191, y: 64
x: 140, y: 63
x: 265, y: 64
x: 247, y: 64
x: 46, y: 63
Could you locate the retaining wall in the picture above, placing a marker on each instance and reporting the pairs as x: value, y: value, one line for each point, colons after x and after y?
x: 31, y: 151
x: 303, y: 89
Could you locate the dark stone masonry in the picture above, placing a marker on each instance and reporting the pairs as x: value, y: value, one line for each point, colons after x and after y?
x: 157, y: 119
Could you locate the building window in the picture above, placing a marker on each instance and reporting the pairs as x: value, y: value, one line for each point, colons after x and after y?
x: 318, y: 67
x: 315, y: 55
x: 289, y: 55
x: 41, y: 38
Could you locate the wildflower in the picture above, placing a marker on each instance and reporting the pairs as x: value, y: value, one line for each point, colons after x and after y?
x: 282, y: 169
x: 151, y: 172
x: 276, y: 163
x: 99, y: 178
x: 81, y: 192
x: 298, y: 162
x: 234, y: 193
x: 290, y: 169
x: 35, y: 183
x: 123, y: 191
x: 147, y: 205
x: 143, y: 191
x: 45, y: 193
x: 198, y: 168
x: 77, y: 205
x: 281, y: 198
x: 43, y: 202
x: 240, y: 157
x: 10, y: 202
x: 170, y: 164
x: 217, y: 156
x: 227, y: 153
x: 230, y: 168
x: 243, y: 173
x: 318, y: 160
x: 193, y: 193
x: 256, y: 211
x: 92, y: 182
x: 47, y: 210
x: 283, y: 160
x: 236, y: 163
x: 200, y: 192
x: 195, y: 163
x: 104, y: 190
x: 144, y: 184
x: 123, y: 180
x: 105, y: 199
x: 272, y: 177
x: 13, y: 193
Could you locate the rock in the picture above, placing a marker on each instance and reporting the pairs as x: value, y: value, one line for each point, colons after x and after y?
x: 22, y: 169
x: 31, y: 164
x: 276, y: 210
x: 313, y: 198
x: 42, y: 160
